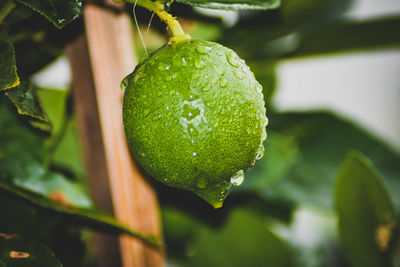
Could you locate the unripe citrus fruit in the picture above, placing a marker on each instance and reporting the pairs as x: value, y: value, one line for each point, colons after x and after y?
x: 194, y: 117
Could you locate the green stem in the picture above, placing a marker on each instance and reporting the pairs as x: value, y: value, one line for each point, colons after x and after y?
x: 178, y: 35
x: 6, y: 9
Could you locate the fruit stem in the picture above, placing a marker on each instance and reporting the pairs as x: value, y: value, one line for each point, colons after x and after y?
x: 178, y: 35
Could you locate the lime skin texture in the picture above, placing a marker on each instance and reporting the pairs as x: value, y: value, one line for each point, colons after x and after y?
x: 194, y: 117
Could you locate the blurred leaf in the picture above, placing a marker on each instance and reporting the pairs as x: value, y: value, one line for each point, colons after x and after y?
x: 25, y: 220
x: 350, y: 35
x: 66, y: 154
x: 33, y: 56
x: 366, y: 213
x: 88, y: 217
x: 25, y: 99
x: 243, y: 241
x: 265, y: 74
x: 8, y: 68
x: 279, y: 32
x: 234, y: 4
x: 16, y: 251
x: 319, y: 142
x: 59, y: 12
x: 280, y: 156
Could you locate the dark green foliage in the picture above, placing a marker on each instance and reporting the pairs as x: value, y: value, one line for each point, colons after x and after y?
x: 8, y: 68
x: 365, y: 211
x: 19, y: 252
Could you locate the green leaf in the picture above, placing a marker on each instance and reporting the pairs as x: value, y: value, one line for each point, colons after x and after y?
x: 243, y: 240
x: 349, y: 36
x: 16, y: 251
x: 86, y: 217
x: 25, y: 99
x: 59, y: 12
x: 234, y: 4
x: 8, y: 68
x: 312, y: 149
x: 366, y: 213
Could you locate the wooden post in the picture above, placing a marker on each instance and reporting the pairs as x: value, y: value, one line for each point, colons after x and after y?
x: 112, y: 171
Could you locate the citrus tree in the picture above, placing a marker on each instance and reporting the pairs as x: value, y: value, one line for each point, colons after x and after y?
x: 195, y: 115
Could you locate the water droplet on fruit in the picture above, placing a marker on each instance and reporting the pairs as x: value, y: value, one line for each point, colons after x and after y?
x: 194, y: 154
x: 238, y: 74
x: 124, y: 84
x: 259, y: 88
x: 201, y: 183
x: 223, y: 83
x: 220, y: 70
x: 232, y: 60
x: 203, y: 49
x: 157, y: 117
x: 260, y: 152
x: 248, y: 130
x: 193, y: 132
x: 238, y: 178
x: 206, y: 88
x: 199, y: 64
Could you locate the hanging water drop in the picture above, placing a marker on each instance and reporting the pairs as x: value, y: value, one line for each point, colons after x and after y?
x: 238, y: 178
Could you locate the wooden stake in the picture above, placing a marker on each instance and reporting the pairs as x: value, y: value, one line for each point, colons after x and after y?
x: 109, y: 38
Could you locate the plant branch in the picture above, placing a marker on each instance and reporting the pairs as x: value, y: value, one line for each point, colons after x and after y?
x: 178, y: 35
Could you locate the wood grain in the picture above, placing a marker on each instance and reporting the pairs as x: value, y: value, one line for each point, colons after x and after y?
x: 110, y: 45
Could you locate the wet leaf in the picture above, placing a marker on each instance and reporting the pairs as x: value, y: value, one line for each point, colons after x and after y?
x: 366, y: 213
x: 59, y: 12
x: 8, y: 68
x: 27, y: 102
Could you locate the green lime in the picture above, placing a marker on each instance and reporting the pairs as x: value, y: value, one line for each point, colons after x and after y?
x: 194, y: 117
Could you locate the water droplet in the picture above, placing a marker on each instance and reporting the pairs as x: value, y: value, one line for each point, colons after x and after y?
x: 238, y: 178
x: 124, y: 84
x: 193, y: 132
x: 199, y: 64
x: 248, y: 130
x: 260, y: 152
x: 194, y: 154
x: 220, y: 70
x: 223, y: 83
x: 206, y: 88
x: 239, y: 74
x: 203, y: 49
x: 157, y: 117
x: 232, y: 60
x: 190, y: 112
x: 259, y: 88
x: 201, y: 182
x: 184, y: 61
